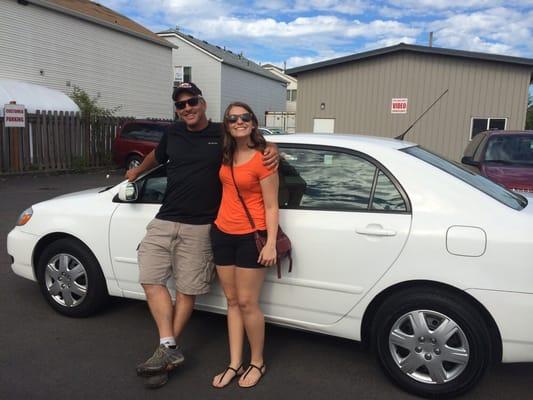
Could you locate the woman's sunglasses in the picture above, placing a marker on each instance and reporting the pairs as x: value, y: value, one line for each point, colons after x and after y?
x: 233, y: 118
x: 192, y: 102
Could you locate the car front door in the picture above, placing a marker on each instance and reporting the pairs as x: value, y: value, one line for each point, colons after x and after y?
x: 128, y: 227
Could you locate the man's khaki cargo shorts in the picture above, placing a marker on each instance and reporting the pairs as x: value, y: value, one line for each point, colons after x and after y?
x: 179, y: 250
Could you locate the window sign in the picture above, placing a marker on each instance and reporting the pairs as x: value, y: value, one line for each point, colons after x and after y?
x: 398, y: 106
x: 14, y: 116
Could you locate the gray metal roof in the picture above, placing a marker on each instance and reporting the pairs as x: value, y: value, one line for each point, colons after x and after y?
x: 227, y: 56
x: 412, y: 48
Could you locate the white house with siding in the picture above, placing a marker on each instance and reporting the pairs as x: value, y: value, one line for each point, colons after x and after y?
x: 224, y: 76
x: 60, y: 44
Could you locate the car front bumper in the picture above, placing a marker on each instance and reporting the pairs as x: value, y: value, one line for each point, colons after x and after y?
x: 513, y: 313
x: 20, y: 247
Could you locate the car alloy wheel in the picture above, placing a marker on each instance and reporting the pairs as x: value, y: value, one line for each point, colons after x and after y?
x: 66, y: 280
x: 432, y: 342
x: 429, y: 346
x: 71, y: 279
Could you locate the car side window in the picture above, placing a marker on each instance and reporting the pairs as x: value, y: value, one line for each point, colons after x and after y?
x: 386, y: 195
x: 153, y: 187
x: 335, y: 181
x: 146, y: 132
x: 478, y: 154
x: 473, y: 145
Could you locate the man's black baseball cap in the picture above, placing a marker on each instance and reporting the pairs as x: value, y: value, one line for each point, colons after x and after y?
x: 188, y: 87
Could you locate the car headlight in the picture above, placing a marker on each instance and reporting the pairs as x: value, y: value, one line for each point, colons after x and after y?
x: 25, y: 217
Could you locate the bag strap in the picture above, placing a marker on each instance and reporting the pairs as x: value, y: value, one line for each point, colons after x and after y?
x: 250, y: 219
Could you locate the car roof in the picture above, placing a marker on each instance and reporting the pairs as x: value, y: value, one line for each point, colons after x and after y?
x: 148, y: 121
x: 342, y: 140
x: 504, y: 132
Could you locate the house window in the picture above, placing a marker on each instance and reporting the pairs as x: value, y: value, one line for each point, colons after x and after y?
x: 486, y: 124
x: 187, y: 74
x: 182, y: 74
x: 291, y: 95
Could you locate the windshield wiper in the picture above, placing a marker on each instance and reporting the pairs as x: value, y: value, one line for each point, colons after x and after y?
x: 106, y: 189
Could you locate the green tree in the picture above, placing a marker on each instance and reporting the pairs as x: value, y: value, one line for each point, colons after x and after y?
x: 89, y: 106
x: 529, y: 116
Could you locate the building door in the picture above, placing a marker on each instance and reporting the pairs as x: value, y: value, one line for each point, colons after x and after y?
x: 323, y: 125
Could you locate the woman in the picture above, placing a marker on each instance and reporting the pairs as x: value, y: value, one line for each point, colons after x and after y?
x: 240, y: 267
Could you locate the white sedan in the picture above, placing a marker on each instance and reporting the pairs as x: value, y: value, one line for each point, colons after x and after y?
x: 392, y: 245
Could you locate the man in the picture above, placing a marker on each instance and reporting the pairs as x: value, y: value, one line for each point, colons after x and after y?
x: 177, y: 239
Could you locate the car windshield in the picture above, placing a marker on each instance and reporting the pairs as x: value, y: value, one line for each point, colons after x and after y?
x: 511, y: 149
x: 481, y: 183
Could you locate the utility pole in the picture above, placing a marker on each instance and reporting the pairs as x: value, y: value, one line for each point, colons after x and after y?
x: 430, y: 39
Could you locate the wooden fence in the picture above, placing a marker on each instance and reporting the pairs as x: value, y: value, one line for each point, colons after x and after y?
x: 57, y: 141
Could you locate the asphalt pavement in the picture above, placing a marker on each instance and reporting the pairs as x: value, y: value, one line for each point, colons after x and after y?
x: 44, y: 355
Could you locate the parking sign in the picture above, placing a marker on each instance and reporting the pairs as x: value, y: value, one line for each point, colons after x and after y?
x: 14, y: 116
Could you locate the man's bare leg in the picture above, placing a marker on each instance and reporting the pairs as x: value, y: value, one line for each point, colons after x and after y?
x: 160, y: 305
x: 182, y: 312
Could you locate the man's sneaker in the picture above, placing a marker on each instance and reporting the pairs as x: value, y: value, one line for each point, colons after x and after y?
x: 156, y: 381
x: 163, y: 359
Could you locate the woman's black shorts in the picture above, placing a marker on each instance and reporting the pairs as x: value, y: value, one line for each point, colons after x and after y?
x: 239, y: 250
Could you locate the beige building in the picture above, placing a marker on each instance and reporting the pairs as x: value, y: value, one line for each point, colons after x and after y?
x: 382, y: 92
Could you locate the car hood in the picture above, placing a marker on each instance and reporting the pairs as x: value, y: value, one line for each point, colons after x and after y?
x: 510, y: 176
x: 81, y: 194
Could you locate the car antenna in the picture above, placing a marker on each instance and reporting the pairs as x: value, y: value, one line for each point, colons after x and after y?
x: 400, y: 137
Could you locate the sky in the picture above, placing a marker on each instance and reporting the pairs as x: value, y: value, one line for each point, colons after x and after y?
x: 300, y: 32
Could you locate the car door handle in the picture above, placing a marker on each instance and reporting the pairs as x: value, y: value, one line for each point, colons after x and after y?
x: 375, y: 230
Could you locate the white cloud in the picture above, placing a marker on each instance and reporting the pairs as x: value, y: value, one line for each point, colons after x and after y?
x: 307, y: 31
x: 318, y: 26
x: 439, y: 8
x: 296, y: 61
x: 499, y: 30
x: 351, y: 7
x: 386, y: 42
x: 379, y: 28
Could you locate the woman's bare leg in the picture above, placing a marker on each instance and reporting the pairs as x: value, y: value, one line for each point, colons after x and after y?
x: 249, y: 282
x: 226, y: 276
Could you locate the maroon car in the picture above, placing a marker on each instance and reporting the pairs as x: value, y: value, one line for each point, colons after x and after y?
x: 506, y: 157
x: 135, y: 139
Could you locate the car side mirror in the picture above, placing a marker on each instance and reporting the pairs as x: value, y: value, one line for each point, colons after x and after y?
x: 128, y: 192
x: 469, y: 161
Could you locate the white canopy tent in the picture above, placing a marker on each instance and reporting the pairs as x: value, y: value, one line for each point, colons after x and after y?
x: 34, y: 97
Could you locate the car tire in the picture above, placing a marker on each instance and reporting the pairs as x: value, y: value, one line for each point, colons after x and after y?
x: 431, y: 342
x: 70, y: 278
x: 133, y: 161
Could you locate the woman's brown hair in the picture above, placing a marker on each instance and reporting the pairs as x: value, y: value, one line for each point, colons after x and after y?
x: 258, y: 141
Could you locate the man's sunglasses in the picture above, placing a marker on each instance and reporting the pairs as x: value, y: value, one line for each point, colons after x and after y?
x: 233, y: 118
x: 192, y: 102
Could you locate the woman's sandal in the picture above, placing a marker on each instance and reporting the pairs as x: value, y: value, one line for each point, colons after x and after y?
x: 262, y: 371
x: 237, y: 372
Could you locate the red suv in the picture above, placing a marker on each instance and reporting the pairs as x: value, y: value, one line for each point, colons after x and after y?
x: 135, y: 139
x: 506, y: 157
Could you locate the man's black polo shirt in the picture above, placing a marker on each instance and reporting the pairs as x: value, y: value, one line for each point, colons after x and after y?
x: 193, y: 160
